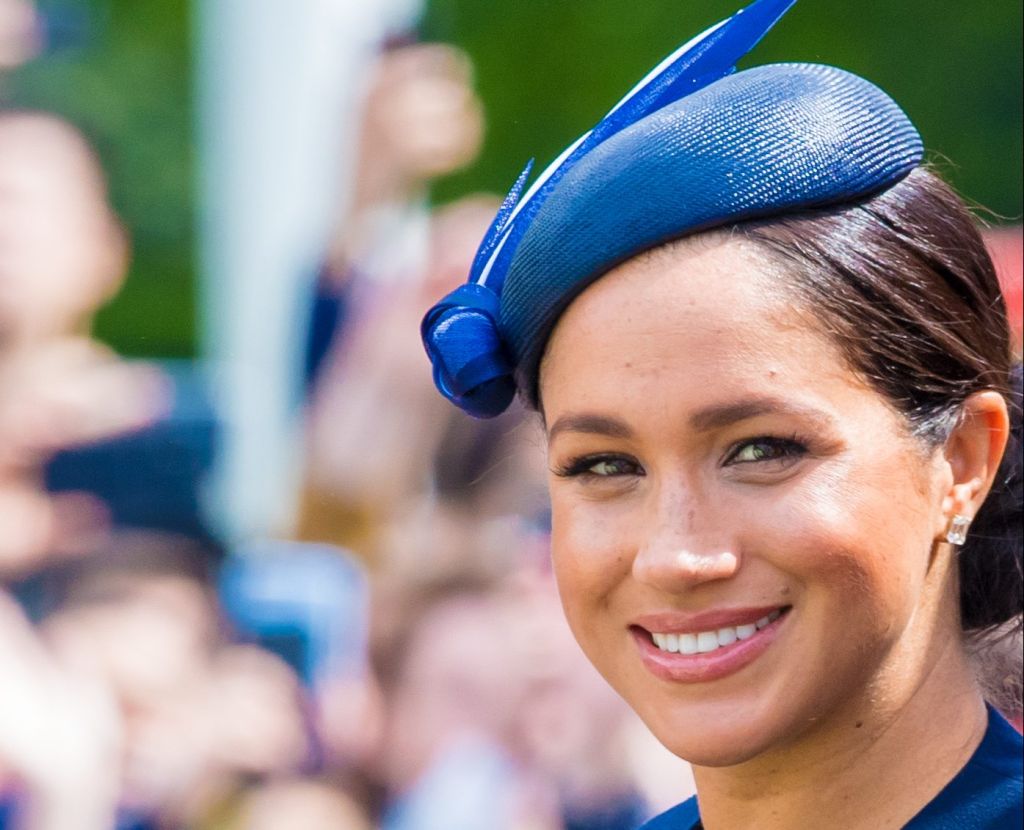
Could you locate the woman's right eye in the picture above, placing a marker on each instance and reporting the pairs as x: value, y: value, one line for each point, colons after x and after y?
x: 607, y: 466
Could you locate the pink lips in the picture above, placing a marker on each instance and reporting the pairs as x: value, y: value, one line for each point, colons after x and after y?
x: 708, y: 666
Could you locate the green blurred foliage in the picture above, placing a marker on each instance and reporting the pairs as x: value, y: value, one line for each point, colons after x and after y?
x: 121, y: 71
x: 548, y: 69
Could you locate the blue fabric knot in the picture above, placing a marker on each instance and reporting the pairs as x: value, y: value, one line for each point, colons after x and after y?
x: 471, y: 368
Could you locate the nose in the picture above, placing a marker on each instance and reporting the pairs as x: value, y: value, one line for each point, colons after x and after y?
x: 682, y: 549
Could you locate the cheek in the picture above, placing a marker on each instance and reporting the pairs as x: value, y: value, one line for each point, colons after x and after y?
x: 855, y: 543
x: 591, y: 555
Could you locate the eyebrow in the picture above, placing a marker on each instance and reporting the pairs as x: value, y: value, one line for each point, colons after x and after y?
x: 723, y: 415
x: 590, y: 424
x: 704, y: 420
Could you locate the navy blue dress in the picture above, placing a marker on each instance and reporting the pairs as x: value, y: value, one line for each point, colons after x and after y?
x: 985, y: 795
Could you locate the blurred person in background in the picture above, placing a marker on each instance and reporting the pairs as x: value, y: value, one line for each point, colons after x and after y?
x: 59, y: 736
x: 485, y: 510
x: 63, y: 253
x: 421, y: 120
x: 372, y: 425
x: 199, y: 715
x: 64, y: 250
x: 451, y: 679
x: 19, y: 33
x: 493, y: 718
x: 568, y: 726
x: 303, y: 804
x: 310, y: 603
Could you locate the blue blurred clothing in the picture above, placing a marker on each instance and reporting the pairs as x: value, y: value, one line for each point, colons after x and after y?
x: 987, y: 794
x: 306, y: 602
x: 468, y: 787
x: 626, y: 813
x: 329, y: 312
x: 10, y: 819
x: 152, y: 478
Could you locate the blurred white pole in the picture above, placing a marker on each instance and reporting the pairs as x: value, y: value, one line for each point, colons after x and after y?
x: 278, y: 85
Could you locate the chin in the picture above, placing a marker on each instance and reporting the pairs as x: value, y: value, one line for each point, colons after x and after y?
x: 718, y: 733
x: 718, y: 754
x: 724, y: 747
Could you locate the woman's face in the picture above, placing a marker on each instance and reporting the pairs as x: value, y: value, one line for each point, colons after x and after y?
x: 742, y: 529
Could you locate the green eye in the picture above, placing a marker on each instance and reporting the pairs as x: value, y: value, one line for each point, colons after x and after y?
x: 765, y: 449
x: 753, y: 452
x: 597, y: 466
x: 612, y: 467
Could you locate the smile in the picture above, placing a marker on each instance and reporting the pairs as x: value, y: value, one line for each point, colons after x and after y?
x: 706, y: 641
x: 707, y: 647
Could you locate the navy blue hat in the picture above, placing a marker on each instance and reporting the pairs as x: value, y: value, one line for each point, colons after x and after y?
x: 694, y: 146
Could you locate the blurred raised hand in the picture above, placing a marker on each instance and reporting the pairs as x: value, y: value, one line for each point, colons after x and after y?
x: 66, y: 392
x: 59, y: 734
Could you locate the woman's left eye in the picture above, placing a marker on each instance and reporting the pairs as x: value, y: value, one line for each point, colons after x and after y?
x: 765, y: 448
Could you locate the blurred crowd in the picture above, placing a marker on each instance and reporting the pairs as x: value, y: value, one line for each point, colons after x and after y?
x: 400, y: 662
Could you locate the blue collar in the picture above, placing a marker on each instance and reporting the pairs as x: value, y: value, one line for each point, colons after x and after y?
x: 985, y: 795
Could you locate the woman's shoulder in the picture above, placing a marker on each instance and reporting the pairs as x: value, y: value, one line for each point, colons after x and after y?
x: 988, y: 793
x: 681, y: 817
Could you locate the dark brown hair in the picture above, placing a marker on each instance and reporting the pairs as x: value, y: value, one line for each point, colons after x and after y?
x: 903, y: 284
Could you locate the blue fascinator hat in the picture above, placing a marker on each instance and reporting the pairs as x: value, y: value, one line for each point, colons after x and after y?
x: 695, y: 145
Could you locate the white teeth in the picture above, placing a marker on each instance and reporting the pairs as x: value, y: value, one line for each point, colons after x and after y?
x: 772, y: 617
x: 705, y: 641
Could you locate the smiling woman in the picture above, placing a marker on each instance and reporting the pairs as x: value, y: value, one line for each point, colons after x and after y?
x: 774, y: 367
x: 748, y: 554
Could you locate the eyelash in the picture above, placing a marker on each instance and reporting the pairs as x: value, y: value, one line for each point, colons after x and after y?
x: 783, y: 449
x: 582, y: 467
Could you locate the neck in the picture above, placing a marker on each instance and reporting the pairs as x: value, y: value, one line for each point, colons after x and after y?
x: 874, y: 766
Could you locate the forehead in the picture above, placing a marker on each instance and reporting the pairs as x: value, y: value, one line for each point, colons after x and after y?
x: 709, y: 314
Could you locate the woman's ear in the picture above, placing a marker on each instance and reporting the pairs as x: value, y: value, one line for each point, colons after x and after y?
x: 973, y: 452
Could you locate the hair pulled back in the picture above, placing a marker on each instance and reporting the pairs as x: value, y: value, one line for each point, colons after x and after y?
x: 903, y: 284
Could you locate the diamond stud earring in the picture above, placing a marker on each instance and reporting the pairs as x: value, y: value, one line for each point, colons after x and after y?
x: 957, y: 534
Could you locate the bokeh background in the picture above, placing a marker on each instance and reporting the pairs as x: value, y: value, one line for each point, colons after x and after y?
x: 254, y: 572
